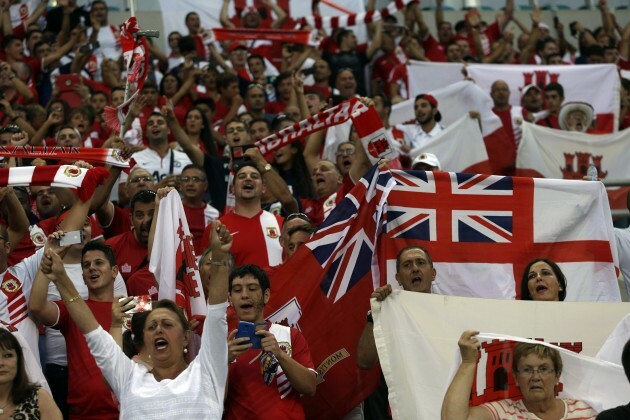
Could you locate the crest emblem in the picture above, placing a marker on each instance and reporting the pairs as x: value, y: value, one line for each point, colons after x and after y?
x: 272, y: 232
x: 10, y: 285
x: 72, y: 172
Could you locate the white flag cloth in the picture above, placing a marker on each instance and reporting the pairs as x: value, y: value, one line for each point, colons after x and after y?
x: 459, y: 147
x: 596, y: 84
x: 612, y: 348
x: 424, y: 76
x: 550, y: 153
x: 173, y: 256
x: 453, y: 101
x: 416, y: 336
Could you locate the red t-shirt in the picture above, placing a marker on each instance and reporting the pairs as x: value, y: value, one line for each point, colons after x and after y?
x: 317, y: 209
x: 249, y: 397
x: 197, y: 224
x: 433, y: 50
x: 276, y: 107
x: 256, y: 240
x: 142, y: 282
x: 121, y: 222
x: 383, y: 66
x: 550, y: 121
x: 130, y: 253
x: 89, y: 397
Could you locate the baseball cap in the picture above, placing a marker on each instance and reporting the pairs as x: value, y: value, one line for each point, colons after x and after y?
x: 426, y: 158
x: 528, y: 88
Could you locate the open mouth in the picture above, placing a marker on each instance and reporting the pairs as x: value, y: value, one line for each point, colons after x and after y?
x: 416, y: 280
x: 541, y: 288
x: 94, y: 277
x: 160, y: 344
x: 248, y: 187
x: 247, y: 306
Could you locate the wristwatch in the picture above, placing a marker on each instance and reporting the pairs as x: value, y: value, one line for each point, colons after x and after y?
x: 266, y: 168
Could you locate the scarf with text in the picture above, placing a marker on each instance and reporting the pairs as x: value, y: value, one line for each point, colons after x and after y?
x: 332, y: 22
x: 245, y: 34
x: 99, y: 156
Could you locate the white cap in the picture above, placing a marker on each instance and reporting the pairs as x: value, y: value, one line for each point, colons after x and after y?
x: 428, y: 158
x: 528, y: 88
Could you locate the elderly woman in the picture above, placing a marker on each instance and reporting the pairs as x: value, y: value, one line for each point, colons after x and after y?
x: 543, y: 280
x: 537, y: 370
x: 173, y: 388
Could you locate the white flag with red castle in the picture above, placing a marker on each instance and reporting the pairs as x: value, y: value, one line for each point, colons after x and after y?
x: 431, y: 325
x: 596, y: 84
x: 172, y: 259
x: 549, y: 153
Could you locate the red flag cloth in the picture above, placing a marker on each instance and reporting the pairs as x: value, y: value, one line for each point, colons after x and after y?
x: 281, y: 35
x: 329, y: 305
x: 84, y: 181
x: 88, y: 154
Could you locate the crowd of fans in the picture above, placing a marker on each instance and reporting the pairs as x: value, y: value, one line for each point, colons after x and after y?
x: 192, y: 129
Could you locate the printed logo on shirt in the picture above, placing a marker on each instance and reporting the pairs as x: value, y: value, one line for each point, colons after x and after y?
x: 10, y: 285
x: 272, y: 232
x: 285, y: 347
x: 125, y: 268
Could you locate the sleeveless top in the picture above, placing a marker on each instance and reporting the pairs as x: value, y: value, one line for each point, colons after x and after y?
x: 28, y: 409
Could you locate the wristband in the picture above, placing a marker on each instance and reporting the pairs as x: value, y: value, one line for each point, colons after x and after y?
x: 73, y: 299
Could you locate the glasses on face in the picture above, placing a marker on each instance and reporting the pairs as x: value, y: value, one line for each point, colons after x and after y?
x: 239, y: 128
x: 194, y: 179
x: 140, y: 179
x: 542, y: 371
x: 297, y: 216
x: 346, y: 152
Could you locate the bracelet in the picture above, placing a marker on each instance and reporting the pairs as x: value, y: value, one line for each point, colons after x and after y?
x: 215, y: 262
x: 73, y: 299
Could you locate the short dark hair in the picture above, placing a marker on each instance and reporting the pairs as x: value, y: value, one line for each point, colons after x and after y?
x: 206, y: 101
x: 31, y: 32
x: 7, y: 40
x: 257, y: 56
x: 625, y: 359
x: 239, y: 164
x: 282, y: 76
x: 21, y: 386
x: 306, y: 228
x: 262, y: 120
x: 556, y: 87
x: 133, y: 339
x: 275, y: 124
x: 100, y: 246
x: 250, y: 270
x: 148, y: 84
x: 562, y: 280
x: 193, y: 166
x: 593, y: 50
x: 144, y: 196
x: 409, y: 248
x: 224, y: 80
x: 186, y: 44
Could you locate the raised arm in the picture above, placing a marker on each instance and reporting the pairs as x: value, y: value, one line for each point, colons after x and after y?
x: 17, y: 221
x: 281, y: 15
x: 455, y: 404
x: 367, y: 355
x: 194, y: 153
x: 223, y: 17
x: 312, y: 149
x: 36, y: 14
x: 376, y: 43
x: 220, y: 244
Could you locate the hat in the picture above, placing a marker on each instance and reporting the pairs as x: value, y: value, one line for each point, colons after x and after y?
x: 249, y: 9
x: 569, y: 107
x: 428, y: 158
x: 236, y: 45
x: 528, y: 88
x: 434, y: 103
x: 543, y: 25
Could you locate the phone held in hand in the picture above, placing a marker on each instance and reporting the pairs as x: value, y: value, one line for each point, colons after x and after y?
x: 248, y: 329
x: 142, y: 303
x: 71, y: 238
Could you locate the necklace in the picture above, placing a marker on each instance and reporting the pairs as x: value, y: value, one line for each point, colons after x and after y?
x: 2, y: 408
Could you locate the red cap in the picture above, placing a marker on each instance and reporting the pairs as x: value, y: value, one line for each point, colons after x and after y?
x: 235, y: 45
x: 430, y: 99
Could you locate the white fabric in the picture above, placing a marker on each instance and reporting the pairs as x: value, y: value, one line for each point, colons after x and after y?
x: 613, y: 347
x: 109, y: 43
x: 425, y: 76
x: 457, y: 147
x: 454, y: 101
x: 159, y: 167
x: 596, y: 84
x: 55, y: 342
x: 168, y: 243
x: 31, y: 363
x: 197, y: 392
x: 429, y: 326
x: 268, y: 221
x: 622, y: 237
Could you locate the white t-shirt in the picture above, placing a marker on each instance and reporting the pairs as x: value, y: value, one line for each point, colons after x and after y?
x: 160, y: 167
x: 196, y: 393
x: 623, y: 251
x: 415, y: 135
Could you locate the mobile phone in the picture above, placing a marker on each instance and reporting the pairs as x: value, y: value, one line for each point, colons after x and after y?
x: 248, y: 329
x: 89, y: 47
x: 238, y: 152
x: 143, y: 303
x: 71, y: 238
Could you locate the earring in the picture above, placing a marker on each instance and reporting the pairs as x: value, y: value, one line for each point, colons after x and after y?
x: 185, y: 350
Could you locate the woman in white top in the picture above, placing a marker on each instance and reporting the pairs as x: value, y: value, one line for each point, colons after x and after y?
x: 173, y: 388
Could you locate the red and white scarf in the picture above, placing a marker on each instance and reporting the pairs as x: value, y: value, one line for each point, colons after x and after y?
x: 84, y: 181
x: 331, y: 22
x: 100, y: 156
x: 281, y: 35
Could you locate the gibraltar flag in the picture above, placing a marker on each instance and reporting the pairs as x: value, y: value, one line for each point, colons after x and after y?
x: 482, y: 230
x: 549, y: 153
x: 431, y: 326
x: 456, y: 100
x: 596, y: 84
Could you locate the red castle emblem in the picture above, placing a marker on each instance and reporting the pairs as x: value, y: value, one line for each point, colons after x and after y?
x: 543, y: 78
x: 500, y: 383
x: 571, y: 171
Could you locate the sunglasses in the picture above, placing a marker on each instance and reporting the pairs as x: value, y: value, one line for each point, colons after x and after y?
x: 297, y: 216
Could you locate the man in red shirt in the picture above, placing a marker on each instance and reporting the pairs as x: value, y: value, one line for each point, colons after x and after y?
x: 89, y: 396
x: 553, y: 97
x: 266, y: 380
x: 193, y: 185
x: 256, y: 232
x: 130, y: 247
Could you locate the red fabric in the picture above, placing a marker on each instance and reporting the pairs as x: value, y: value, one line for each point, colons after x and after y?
x: 130, y: 253
x: 197, y: 224
x: 121, y: 222
x: 89, y: 396
x: 488, y: 36
x: 249, y: 397
x: 551, y: 121
x: 276, y: 107
x: 501, y: 151
x: 433, y: 50
x: 506, y: 121
x: 383, y: 67
x: 249, y: 246
x: 142, y: 282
